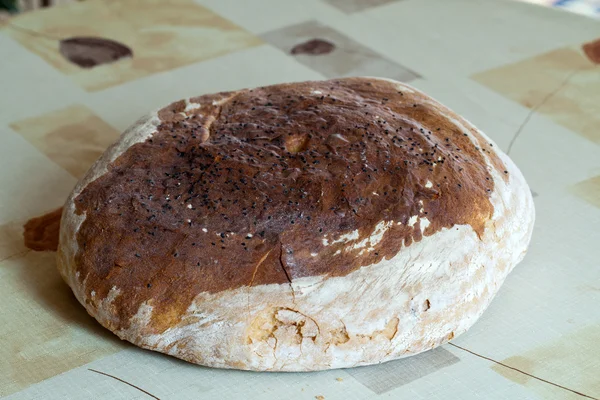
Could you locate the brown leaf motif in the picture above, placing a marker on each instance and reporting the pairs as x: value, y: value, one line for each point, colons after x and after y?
x: 89, y: 52
x: 592, y: 51
x: 41, y: 233
x: 314, y: 47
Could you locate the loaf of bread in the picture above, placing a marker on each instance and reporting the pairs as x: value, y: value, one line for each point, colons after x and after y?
x: 296, y: 227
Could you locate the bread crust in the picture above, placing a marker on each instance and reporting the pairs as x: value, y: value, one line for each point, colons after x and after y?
x: 381, y: 280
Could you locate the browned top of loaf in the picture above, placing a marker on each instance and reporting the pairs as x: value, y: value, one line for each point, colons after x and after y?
x: 242, y: 190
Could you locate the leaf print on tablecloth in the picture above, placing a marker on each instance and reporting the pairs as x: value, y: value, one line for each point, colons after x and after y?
x: 88, y: 52
x: 333, y: 54
x: 314, y: 47
x: 592, y: 51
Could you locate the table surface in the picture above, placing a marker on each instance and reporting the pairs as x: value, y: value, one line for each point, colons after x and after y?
x: 585, y: 7
x: 527, y: 76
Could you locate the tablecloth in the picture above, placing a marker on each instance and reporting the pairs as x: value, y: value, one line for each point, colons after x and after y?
x: 584, y: 7
x: 72, y: 77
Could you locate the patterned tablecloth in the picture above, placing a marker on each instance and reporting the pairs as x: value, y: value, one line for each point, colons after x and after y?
x: 528, y: 76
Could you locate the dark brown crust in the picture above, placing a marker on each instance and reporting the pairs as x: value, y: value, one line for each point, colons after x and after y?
x: 287, y: 166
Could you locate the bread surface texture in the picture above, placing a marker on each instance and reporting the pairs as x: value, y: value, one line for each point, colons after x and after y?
x: 296, y: 227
